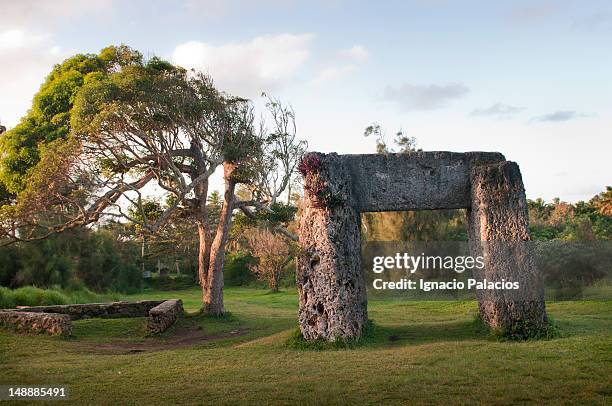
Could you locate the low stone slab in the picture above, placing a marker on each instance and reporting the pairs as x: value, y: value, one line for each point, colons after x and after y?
x: 164, y: 315
x: 50, y: 323
x: 104, y: 310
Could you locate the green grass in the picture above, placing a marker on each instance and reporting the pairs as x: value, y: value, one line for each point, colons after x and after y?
x: 417, y: 352
x: 33, y: 296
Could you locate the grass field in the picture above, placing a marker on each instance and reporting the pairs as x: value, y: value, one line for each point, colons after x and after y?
x: 421, y: 353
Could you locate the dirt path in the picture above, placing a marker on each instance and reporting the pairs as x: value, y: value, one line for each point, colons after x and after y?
x: 185, y: 336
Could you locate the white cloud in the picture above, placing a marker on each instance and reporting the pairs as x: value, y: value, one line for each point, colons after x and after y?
x: 346, y: 62
x: 558, y: 116
x: 265, y: 63
x: 28, y: 57
x: 14, y: 39
x: 27, y: 50
x: 19, y: 13
x: 497, y: 110
x: 334, y: 73
x: 424, y: 97
x: 356, y: 52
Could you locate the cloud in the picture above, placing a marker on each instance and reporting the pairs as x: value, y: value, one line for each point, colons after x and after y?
x: 497, y: 110
x: 598, y: 21
x: 265, y: 63
x: 357, y: 53
x: 15, y: 39
x: 36, y: 13
x: 30, y: 57
x: 535, y: 11
x: 558, y: 116
x: 424, y: 97
x: 334, y: 73
x: 27, y: 48
x: 345, y: 63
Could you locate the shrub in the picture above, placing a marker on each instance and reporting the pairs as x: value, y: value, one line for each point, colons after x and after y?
x: 105, y: 263
x: 271, y: 254
x: 33, y: 296
x: 570, y: 266
x: 45, y: 263
x: 9, y: 265
x: 236, y: 270
x: 171, y: 283
x: 7, y: 298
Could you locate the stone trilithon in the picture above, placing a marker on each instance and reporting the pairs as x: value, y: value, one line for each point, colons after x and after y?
x: 337, y: 188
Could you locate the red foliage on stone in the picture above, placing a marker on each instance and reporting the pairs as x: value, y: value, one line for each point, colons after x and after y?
x: 310, y: 163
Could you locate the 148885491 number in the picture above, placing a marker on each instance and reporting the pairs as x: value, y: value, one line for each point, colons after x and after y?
x: 31, y: 392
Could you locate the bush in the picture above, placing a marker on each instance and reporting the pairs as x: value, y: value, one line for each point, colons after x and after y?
x: 9, y: 265
x: 103, y: 264
x: 33, y: 296
x: 236, y: 270
x: 98, y: 259
x: 45, y: 263
x: 570, y: 266
x: 7, y: 298
x: 170, y: 282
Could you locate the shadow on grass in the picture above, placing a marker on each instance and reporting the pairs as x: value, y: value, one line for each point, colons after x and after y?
x: 376, y: 335
x: 191, y: 329
x: 425, y: 333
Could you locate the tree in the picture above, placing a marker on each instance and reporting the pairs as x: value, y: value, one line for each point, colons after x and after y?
x: 49, y: 118
x: 603, y: 202
x: 271, y: 253
x: 403, y: 143
x: 273, y: 171
x: 150, y: 124
x: 394, y: 226
x: 134, y: 125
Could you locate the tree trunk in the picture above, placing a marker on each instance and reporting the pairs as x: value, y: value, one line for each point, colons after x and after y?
x: 201, y: 192
x: 203, y: 254
x: 142, y: 254
x: 275, y: 281
x: 213, y: 297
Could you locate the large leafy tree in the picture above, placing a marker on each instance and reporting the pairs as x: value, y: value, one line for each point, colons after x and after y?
x: 147, y: 124
x: 49, y: 118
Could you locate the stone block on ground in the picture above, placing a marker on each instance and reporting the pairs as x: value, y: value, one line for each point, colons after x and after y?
x: 164, y: 315
x: 105, y: 310
x: 50, y: 323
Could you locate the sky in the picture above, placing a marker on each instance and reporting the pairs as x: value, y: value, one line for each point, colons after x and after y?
x: 531, y: 79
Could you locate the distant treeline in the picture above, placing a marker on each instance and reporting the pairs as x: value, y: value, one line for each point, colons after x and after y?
x: 583, y: 221
x: 111, y: 258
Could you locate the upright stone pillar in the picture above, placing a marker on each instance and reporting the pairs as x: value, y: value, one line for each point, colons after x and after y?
x: 330, y: 280
x: 498, y: 230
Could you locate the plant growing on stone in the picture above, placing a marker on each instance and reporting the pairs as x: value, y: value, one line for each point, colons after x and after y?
x: 403, y: 143
x: 310, y: 164
x: 311, y: 167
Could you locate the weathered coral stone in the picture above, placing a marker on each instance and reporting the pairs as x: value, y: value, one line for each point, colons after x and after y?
x: 337, y: 188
